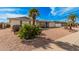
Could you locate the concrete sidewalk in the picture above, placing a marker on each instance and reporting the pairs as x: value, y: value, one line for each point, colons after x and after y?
x: 72, y: 38
x: 67, y: 43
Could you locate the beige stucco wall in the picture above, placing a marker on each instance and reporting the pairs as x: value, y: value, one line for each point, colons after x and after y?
x: 25, y: 22
x: 52, y: 24
x: 17, y: 22
x: 14, y: 22
x: 58, y: 25
x: 42, y: 24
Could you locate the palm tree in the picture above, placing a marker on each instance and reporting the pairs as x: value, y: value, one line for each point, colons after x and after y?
x: 72, y: 19
x: 33, y: 13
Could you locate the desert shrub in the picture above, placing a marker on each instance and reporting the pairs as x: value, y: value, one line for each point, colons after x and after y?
x: 15, y: 28
x: 29, y: 31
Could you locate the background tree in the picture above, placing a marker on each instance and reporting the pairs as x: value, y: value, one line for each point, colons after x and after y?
x: 33, y: 13
x: 71, y: 20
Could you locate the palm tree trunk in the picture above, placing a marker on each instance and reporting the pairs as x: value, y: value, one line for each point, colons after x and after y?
x: 33, y: 21
x: 70, y: 27
x: 21, y: 23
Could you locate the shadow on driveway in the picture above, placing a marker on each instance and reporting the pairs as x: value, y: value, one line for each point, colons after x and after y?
x: 45, y: 43
x: 39, y: 42
x: 67, y: 46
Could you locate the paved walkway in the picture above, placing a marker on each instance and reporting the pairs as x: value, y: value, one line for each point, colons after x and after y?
x: 67, y: 43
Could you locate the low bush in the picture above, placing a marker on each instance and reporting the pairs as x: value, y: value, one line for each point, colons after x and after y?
x: 29, y: 31
x: 15, y: 28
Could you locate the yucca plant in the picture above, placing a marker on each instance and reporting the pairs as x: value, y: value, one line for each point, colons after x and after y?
x: 29, y: 31
x: 72, y: 19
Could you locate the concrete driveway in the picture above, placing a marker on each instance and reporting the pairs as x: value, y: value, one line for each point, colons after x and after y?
x: 66, y: 43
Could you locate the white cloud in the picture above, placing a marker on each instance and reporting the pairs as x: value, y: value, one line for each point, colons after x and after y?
x: 53, y: 11
x: 8, y: 15
x: 66, y: 10
x: 3, y: 17
x: 63, y: 10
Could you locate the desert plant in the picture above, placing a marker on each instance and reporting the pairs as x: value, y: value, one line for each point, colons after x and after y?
x: 29, y: 31
x: 65, y: 25
x: 72, y: 19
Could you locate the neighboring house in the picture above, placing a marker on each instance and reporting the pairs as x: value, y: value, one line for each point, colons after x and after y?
x: 50, y: 24
x: 4, y: 25
x: 56, y: 24
x: 44, y: 24
x: 19, y: 20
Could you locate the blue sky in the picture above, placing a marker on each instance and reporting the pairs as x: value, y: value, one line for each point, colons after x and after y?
x: 46, y: 13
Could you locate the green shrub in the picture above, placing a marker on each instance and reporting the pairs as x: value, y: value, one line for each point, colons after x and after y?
x: 29, y: 31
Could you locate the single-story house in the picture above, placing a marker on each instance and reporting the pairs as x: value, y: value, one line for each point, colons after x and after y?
x: 19, y: 20
x: 43, y: 24
x: 51, y: 23
x: 56, y: 24
x: 22, y: 20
